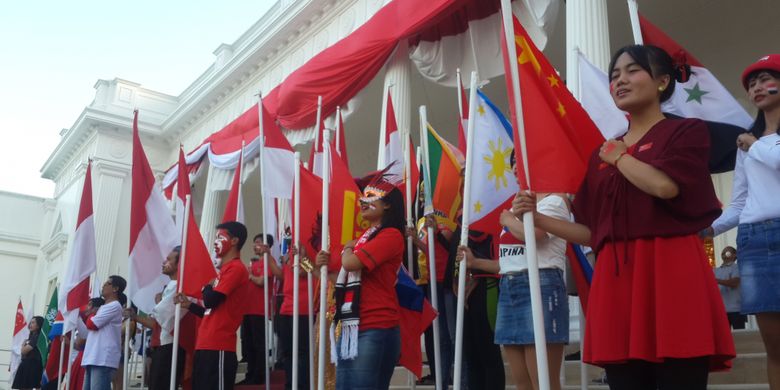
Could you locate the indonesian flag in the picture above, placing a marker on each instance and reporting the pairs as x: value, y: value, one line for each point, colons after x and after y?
x: 702, y: 96
x: 152, y: 231
x: 234, y: 209
x: 21, y: 333
x: 392, y: 142
x: 83, y: 259
x: 493, y: 185
x: 278, y: 159
x: 560, y: 136
x: 315, y: 154
x: 198, y: 268
x: 339, y: 143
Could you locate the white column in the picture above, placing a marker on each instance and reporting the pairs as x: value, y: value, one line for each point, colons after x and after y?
x: 213, y: 204
x: 398, y: 78
x: 587, y: 28
x: 108, y: 190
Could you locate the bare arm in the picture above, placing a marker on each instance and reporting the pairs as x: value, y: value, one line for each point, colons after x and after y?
x: 732, y: 282
x: 569, y: 231
x: 644, y: 176
x: 472, y: 262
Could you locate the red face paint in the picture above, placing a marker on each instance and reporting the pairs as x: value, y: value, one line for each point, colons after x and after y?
x: 222, y: 244
x: 771, y: 88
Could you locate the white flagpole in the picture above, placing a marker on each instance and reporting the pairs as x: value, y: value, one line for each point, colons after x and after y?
x: 338, y: 130
x: 265, y: 238
x: 409, y: 202
x: 464, y: 235
x: 296, y: 266
x: 143, y: 354
x: 179, y: 286
x: 380, y: 162
x: 240, y: 200
x: 310, y: 275
x: 540, y: 341
x: 325, y: 240
x: 69, y: 363
x: 431, y: 249
x: 60, y: 375
x: 127, y: 329
x: 633, y: 13
x: 460, y: 95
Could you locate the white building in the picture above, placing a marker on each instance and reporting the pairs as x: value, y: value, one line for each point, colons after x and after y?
x: 34, y: 233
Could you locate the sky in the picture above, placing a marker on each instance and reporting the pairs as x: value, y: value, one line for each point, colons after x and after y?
x: 55, y: 51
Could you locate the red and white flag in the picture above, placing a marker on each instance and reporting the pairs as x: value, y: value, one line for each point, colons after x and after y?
x: 21, y: 333
x: 152, y: 231
x: 278, y: 160
x: 234, y: 209
x: 393, y: 152
x: 198, y: 269
x: 75, y: 286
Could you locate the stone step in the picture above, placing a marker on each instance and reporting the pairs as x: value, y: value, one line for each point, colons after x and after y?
x: 605, y: 387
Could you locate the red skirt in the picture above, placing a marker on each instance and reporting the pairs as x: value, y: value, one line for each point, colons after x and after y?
x: 661, y: 302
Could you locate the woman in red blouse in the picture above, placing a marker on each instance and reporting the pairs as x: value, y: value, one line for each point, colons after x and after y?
x: 655, y: 319
x: 366, y: 301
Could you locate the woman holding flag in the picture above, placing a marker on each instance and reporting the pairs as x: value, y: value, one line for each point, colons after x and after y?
x: 366, y: 301
x: 514, y: 326
x: 755, y: 209
x: 655, y: 319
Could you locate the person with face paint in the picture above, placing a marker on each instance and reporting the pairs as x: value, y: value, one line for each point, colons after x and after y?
x: 28, y: 375
x: 727, y: 276
x: 655, y: 319
x: 755, y: 210
x: 162, y: 317
x: 103, y: 350
x: 366, y: 301
x: 224, y: 305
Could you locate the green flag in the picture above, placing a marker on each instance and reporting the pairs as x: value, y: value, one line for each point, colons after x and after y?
x: 48, y: 322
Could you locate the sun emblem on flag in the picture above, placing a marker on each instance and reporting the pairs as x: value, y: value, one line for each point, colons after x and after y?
x: 498, y: 159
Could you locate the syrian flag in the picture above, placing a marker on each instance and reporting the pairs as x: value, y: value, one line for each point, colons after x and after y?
x: 392, y: 152
x: 702, y: 96
x: 234, y: 209
x: 198, y: 268
x: 278, y: 159
x: 493, y: 184
x: 152, y: 231
x: 21, y: 333
x: 83, y: 259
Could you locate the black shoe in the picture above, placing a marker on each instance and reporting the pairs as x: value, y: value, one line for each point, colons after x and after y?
x: 426, y: 380
x: 573, y: 356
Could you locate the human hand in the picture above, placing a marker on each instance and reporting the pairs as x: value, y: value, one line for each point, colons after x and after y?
x: 524, y: 202
x: 745, y: 141
x: 322, y: 259
x: 612, y: 150
x: 464, y: 253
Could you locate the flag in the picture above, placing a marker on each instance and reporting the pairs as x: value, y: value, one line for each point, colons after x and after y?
x: 597, y: 101
x: 702, y: 96
x: 52, y: 324
x: 560, y: 136
x: 83, y: 259
x: 417, y: 314
x: 463, y: 117
x: 341, y: 140
x: 315, y: 154
x: 278, y: 160
x: 414, y: 174
x: 346, y: 222
x: 445, y: 164
x: 51, y: 371
x: 392, y: 142
x: 493, y: 184
x: 311, y: 212
x: 20, y: 334
x: 234, y: 209
x: 152, y: 231
x: 198, y: 269
x: 582, y: 272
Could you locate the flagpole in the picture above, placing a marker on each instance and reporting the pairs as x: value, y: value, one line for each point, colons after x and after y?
x: 240, y: 168
x: 310, y: 275
x: 540, y: 341
x: 460, y: 95
x: 325, y: 240
x: 380, y: 162
x: 179, y: 287
x: 296, y: 266
x: 431, y: 248
x: 264, y: 233
x: 338, y: 130
x: 143, y: 353
x: 69, y: 363
x: 60, y: 374
x: 633, y: 13
x: 409, y: 219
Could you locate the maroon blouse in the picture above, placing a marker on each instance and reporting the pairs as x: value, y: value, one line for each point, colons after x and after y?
x: 616, y: 210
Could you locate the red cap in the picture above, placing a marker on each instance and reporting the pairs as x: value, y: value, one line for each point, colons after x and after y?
x: 767, y: 62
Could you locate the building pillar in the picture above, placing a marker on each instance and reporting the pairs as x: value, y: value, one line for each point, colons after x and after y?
x: 108, y: 189
x: 587, y: 30
x: 398, y: 80
x: 213, y: 203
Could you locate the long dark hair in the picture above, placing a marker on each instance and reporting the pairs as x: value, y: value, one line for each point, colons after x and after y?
x: 655, y: 61
x: 393, y: 217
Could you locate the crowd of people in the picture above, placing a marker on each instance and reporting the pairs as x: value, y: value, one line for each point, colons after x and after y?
x: 655, y: 318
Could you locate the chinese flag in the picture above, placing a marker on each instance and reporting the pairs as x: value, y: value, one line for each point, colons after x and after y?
x: 560, y: 136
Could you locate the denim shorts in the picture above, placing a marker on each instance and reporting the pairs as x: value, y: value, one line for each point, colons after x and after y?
x: 758, y: 258
x: 514, y: 323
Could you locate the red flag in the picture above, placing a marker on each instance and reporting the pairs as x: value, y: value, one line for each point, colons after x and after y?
x: 464, y: 117
x: 315, y: 154
x: 311, y: 212
x: 188, y: 334
x: 234, y: 209
x: 415, y: 174
x: 198, y: 268
x: 392, y: 141
x: 560, y: 136
x: 342, y: 141
x: 346, y: 222
x: 51, y: 371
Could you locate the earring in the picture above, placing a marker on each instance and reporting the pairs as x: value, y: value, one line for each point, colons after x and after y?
x: 661, y: 89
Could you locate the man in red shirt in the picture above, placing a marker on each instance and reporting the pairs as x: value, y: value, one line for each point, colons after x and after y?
x: 224, y: 306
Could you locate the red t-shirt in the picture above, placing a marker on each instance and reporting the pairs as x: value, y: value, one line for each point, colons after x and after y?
x: 381, y: 257
x: 218, y: 328
x: 287, y: 292
x: 255, y: 299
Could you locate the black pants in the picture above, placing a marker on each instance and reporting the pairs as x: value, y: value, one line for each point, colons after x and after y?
x: 737, y: 320
x: 160, y: 372
x: 253, y: 347
x: 482, y: 356
x: 214, y: 370
x: 672, y: 374
x: 286, y: 338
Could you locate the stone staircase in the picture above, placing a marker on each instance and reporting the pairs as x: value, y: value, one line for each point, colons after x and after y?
x: 748, y: 371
